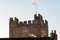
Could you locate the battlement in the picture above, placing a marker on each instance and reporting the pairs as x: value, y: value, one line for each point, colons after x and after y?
x: 15, y: 19
x: 37, y: 20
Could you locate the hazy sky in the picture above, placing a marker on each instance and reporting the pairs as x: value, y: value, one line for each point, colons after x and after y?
x: 23, y: 9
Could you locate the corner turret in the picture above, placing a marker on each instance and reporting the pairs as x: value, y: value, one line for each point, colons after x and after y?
x: 53, y: 35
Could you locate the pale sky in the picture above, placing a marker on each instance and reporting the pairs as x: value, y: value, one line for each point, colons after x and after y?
x: 23, y: 10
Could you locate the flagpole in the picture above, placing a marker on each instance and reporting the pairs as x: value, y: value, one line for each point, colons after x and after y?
x: 36, y: 7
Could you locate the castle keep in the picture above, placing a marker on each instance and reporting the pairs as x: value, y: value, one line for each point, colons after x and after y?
x: 31, y: 28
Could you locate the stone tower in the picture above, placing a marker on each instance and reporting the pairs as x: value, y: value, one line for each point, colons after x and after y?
x: 31, y: 28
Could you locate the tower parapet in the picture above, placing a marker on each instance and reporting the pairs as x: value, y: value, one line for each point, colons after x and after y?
x: 39, y: 17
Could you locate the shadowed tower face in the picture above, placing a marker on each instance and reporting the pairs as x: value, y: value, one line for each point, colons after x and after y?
x: 36, y: 28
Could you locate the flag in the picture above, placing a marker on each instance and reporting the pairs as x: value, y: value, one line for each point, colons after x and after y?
x: 34, y: 3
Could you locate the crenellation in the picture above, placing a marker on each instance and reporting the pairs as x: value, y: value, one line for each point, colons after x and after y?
x: 25, y: 22
x: 20, y: 23
x: 16, y: 20
x: 35, y: 17
x: 29, y: 22
x: 40, y: 17
x: 11, y: 19
x: 46, y: 22
x: 43, y: 22
x: 55, y: 31
x: 11, y: 22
